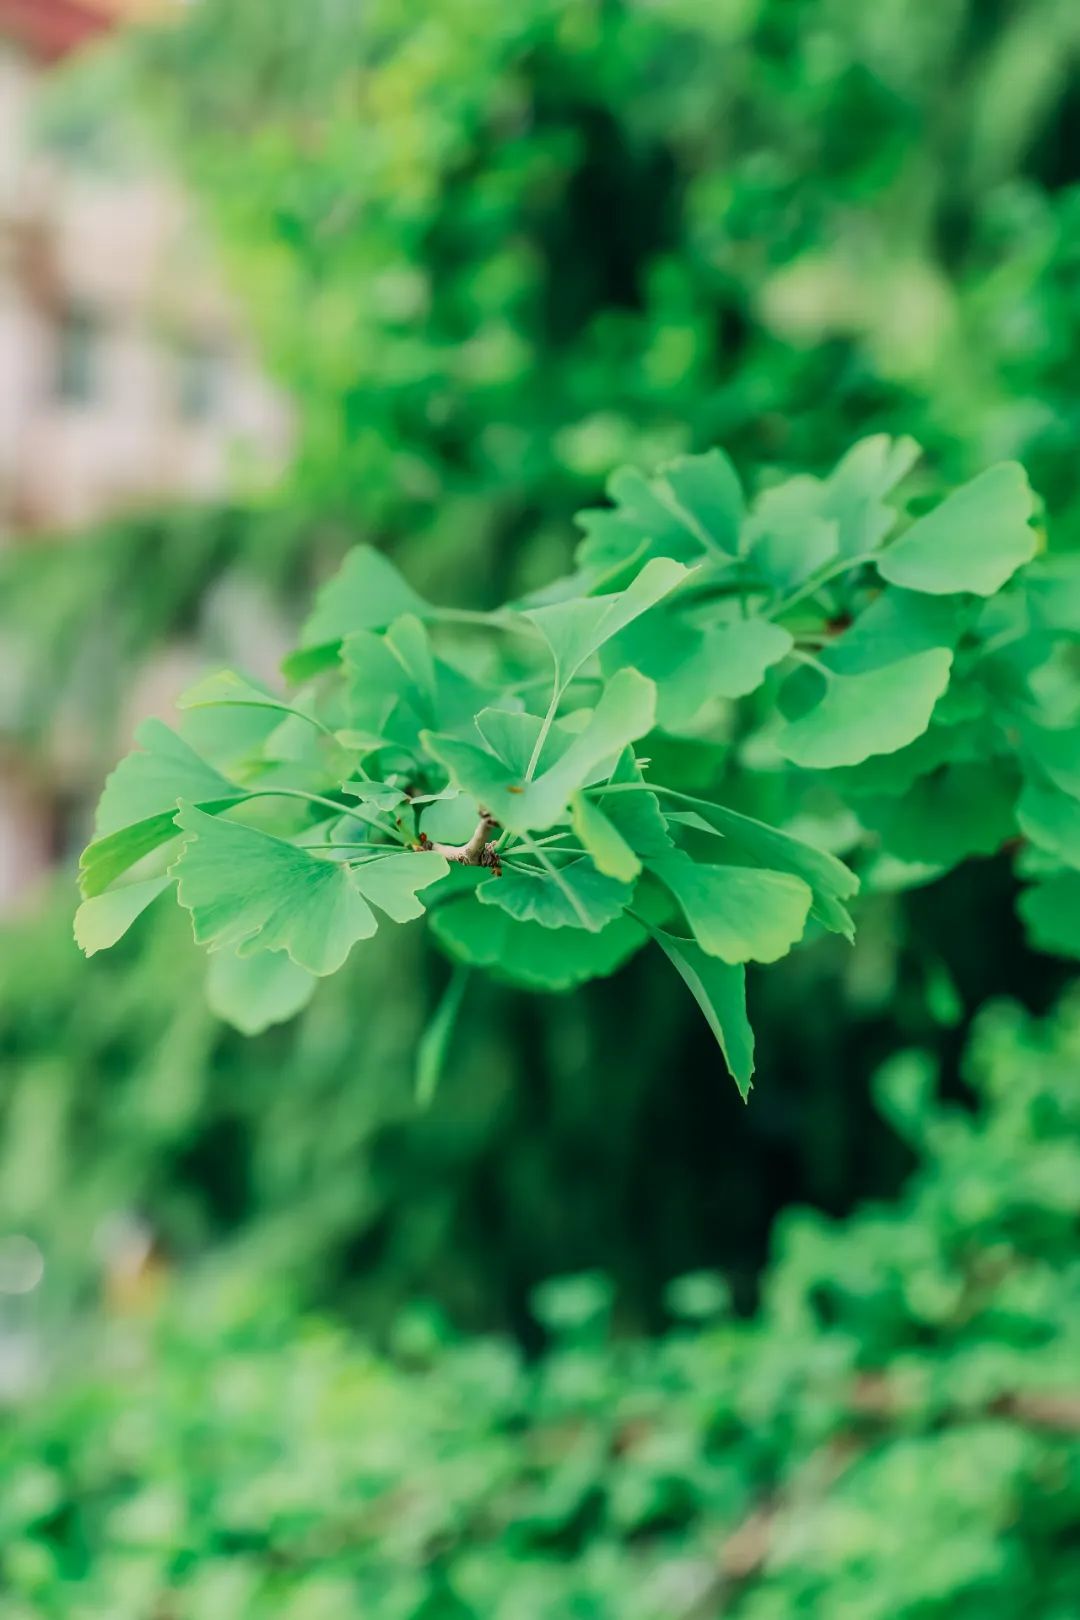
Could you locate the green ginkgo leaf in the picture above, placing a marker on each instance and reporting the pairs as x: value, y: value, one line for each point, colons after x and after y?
x: 871, y: 713
x: 1051, y: 911
x: 854, y: 493
x: 572, y: 896
x: 525, y: 954
x: 694, y: 508
x: 749, y: 840
x: 1051, y: 819
x: 252, y: 993
x: 720, y: 991
x: 137, y: 811
x: 106, y: 918
x: 625, y: 711
x: 249, y: 891
x: 738, y: 913
x: 974, y: 541
x: 896, y: 625
x: 228, y: 689
x: 367, y: 593
x: 964, y: 808
x: 610, y: 851
x: 576, y: 630
x: 1055, y: 752
x: 693, y: 667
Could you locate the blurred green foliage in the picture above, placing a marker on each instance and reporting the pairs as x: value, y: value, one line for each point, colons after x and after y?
x: 895, y: 1435
x: 495, y: 251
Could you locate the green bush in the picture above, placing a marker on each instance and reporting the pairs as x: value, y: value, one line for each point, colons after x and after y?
x: 895, y: 1435
x: 495, y: 251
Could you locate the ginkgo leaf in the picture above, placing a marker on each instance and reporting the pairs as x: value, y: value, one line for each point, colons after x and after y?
x: 254, y: 992
x: 974, y: 541
x: 610, y: 851
x: 525, y: 954
x: 693, y: 508
x: 693, y: 667
x: 854, y: 493
x: 871, y: 713
x: 367, y: 593
x: 1052, y: 585
x: 625, y: 711
x: 703, y: 494
x: 572, y: 896
x: 160, y: 771
x: 788, y: 539
x: 410, y: 644
x: 748, y: 839
x: 1056, y: 753
x: 739, y: 913
x: 1051, y: 911
x: 896, y: 625
x: 720, y: 991
x: 964, y: 808
x: 634, y: 811
x: 575, y: 630
x: 251, y: 891
x: 106, y: 918
x: 227, y: 688
x: 137, y: 811
x: 1051, y: 819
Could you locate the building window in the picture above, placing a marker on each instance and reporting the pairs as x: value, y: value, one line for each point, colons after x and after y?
x: 79, y: 334
x: 200, y: 378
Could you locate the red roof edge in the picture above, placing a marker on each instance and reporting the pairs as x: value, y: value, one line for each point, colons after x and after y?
x: 50, y: 28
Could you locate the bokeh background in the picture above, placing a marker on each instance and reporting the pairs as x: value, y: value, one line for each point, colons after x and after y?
x: 587, y: 1337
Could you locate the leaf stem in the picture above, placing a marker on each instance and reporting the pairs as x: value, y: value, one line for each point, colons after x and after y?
x: 810, y: 587
x: 542, y: 734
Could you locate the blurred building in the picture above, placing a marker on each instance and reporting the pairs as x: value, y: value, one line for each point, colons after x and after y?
x: 126, y: 380
x: 124, y: 373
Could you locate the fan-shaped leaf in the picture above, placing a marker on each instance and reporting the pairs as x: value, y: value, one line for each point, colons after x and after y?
x: 611, y: 853
x: 575, y: 630
x: 254, y: 992
x: 974, y: 541
x: 625, y: 712
x: 248, y: 890
x: 571, y: 896
x: 739, y: 913
x: 106, y: 918
x: 526, y: 954
x: 871, y: 713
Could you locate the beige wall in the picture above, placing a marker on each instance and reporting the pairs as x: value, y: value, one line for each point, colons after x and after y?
x: 107, y: 286
x: 126, y: 381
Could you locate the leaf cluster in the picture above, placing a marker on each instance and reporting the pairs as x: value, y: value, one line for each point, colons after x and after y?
x: 560, y: 781
x: 893, y: 1435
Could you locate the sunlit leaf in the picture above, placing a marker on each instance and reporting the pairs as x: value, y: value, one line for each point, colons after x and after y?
x: 601, y: 837
x: 872, y: 713
x: 106, y: 918
x: 1051, y: 819
x: 137, y: 810
x: 367, y: 593
x: 974, y: 541
x: 576, y: 630
x: 248, y: 890
x: 753, y: 841
x: 739, y: 913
